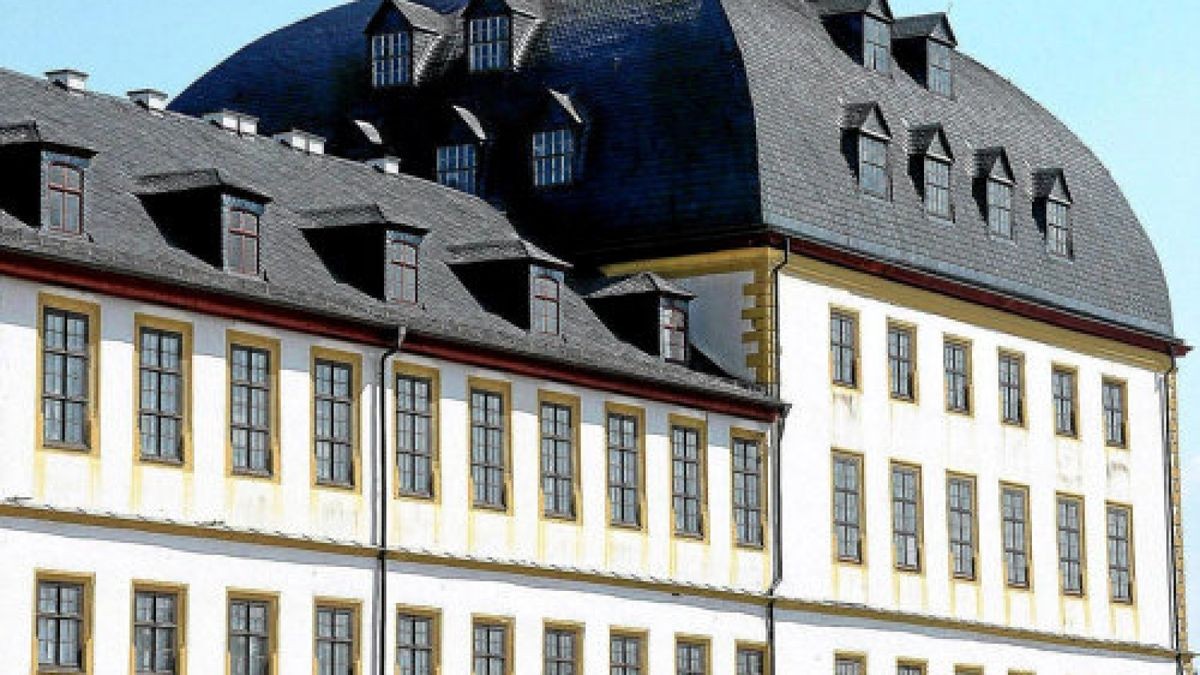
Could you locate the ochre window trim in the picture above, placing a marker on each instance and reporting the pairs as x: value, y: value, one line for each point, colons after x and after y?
x: 186, y: 331
x: 271, y: 600
x: 180, y: 591
x: 91, y: 311
x: 354, y: 607
x: 639, y: 415
x: 572, y: 403
x: 433, y: 377
x: 701, y: 429
x: 87, y: 584
x: 355, y: 362
x: 273, y: 349
x: 504, y: 390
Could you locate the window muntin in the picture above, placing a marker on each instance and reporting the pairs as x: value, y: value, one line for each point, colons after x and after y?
x: 1062, y: 384
x: 160, y: 407
x: 848, y: 665
x: 1113, y: 394
x: 1014, y: 513
x: 873, y: 165
x: 65, y: 186
x: 458, y: 167
x: 909, y: 669
x: 1120, y: 553
x: 403, y: 255
x: 241, y: 241
x: 750, y: 661
x: 1012, y: 389
x: 155, y: 632
x: 877, y: 44
x: 843, y: 347
x: 560, y: 652
x: 674, y: 322
x: 545, y: 300
x: 249, y: 637
x: 1070, y: 544
x: 250, y: 410
x: 489, y: 43
x: 1058, y: 228
x: 624, y: 471
x: 335, y: 641
x: 848, y: 507
x: 906, y: 517
x: 747, y: 491
x: 553, y: 157
x: 957, y: 362
x: 490, y: 649
x: 414, y: 435
x: 691, y: 658
x: 66, y: 375
x: 333, y: 403
x: 941, y: 73
x: 625, y: 655
x: 937, y: 187
x: 391, y: 59
x: 558, y: 460
x: 960, y: 508
x: 489, y: 470
x: 999, y: 208
x: 687, y: 481
x: 60, y: 626
x: 415, y: 649
x: 902, y: 356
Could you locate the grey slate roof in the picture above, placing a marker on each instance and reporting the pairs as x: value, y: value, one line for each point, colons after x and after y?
x: 935, y: 26
x: 355, y: 215
x: 710, y: 118
x: 638, y: 284
x: 195, y: 179
x: 501, y: 250
x: 132, y: 142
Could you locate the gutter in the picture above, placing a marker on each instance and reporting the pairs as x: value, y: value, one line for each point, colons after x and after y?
x: 776, y: 462
x: 381, y: 612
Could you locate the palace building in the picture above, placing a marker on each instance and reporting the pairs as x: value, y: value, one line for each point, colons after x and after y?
x: 638, y: 337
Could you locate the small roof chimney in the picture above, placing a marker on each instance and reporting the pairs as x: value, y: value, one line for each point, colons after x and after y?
x: 387, y: 164
x: 69, y: 79
x: 302, y: 141
x: 150, y: 99
x: 236, y: 122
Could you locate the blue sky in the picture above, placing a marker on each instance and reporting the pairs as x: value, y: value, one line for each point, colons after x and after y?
x: 1125, y: 76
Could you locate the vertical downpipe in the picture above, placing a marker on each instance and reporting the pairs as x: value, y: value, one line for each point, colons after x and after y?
x: 776, y: 464
x: 1168, y: 465
x: 381, y: 612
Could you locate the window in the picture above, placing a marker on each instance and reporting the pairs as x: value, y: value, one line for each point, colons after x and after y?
x: 335, y: 641
x: 66, y: 378
x: 1120, y: 553
x: 558, y: 460
x: 1058, y: 228
x: 1070, y: 544
x: 957, y: 358
x: 906, y: 517
x: 250, y: 419
x: 65, y: 186
x: 674, y: 329
x: 402, y: 257
x: 155, y: 632
x: 334, y: 421
x: 1114, y: 413
x: 545, y: 297
x: 624, y: 469
x: 553, y: 157
x: 60, y: 626
x: 488, y: 465
x: 490, y: 649
x: 849, y: 665
x: 751, y: 661
x: 489, y: 43
x: 241, y: 241
x: 999, y: 208
x: 415, y: 647
x: 960, y: 496
x: 909, y: 669
x: 687, y: 480
x: 1012, y: 389
x: 391, y: 59
x: 561, y: 652
x: 877, y: 44
x: 843, y: 347
x: 160, y: 410
x: 941, y: 74
x: 691, y: 658
x: 250, y: 644
x: 848, y: 507
x: 937, y: 187
x: 1063, y: 386
x: 901, y: 363
x: 747, y: 492
x: 458, y: 167
x: 1014, y: 506
x: 625, y: 655
x: 414, y: 435
x: 873, y: 165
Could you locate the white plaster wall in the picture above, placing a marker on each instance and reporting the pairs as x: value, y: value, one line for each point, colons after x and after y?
x: 716, y: 323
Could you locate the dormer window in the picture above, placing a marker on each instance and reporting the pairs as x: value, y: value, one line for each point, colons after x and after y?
x: 877, y: 44
x: 64, y: 186
x: 1052, y: 208
x: 999, y: 208
x: 1058, y: 228
x: 242, y: 222
x: 553, y: 157
x: 931, y: 162
x: 458, y: 167
x: 941, y: 77
x: 391, y: 59
x: 489, y: 43
x: 937, y: 187
x: 403, y: 251
x: 924, y: 47
x: 873, y: 165
x: 545, y: 296
x: 674, y: 329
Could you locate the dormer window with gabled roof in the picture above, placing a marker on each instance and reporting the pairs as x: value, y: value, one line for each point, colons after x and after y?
x: 457, y: 162
x: 866, y: 138
x: 45, y: 179
x: 370, y: 248
x: 489, y: 43
x: 554, y: 147
x: 515, y: 280
x: 545, y: 297
x: 391, y: 59
x: 1052, y: 209
x: 242, y: 235
x: 403, y: 258
x: 941, y: 75
x: 647, y: 311
x: 932, y: 160
x: 994, y: 183
x: 861, y: 28
x: 877, y: 44
x: 924, y: 48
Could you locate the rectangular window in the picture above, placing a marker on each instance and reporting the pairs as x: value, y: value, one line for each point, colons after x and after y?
x: 941, y: 72
x: 155, y: 632
x: 674, y: 329
x: 999, y: 206
x: 160, y: 407
x: 250, y: 418
x: 415, y: 645
x: 391, y: 59
x: 960, y: 498
x: 691, y: 658
x: 748, y: 491
x: 553, y: 157
x: 1070, y: 544
x: 877, y: 44
x: 414, y: 435
x: 66, y: 378
x: 1063, y: 386
x: 561, y: 652
x: 848, y: 507
x: 626, y: 653
x: 335, y: 641
x: 489, y: 43
x: 458, y: 167
x: 687, y: 476
x: 241, y: 241
x: 910, y: 669
x: 957, y: 359
x: 1114, y: 397
x: 902, y: 356
x: 843, y: 346
x: 61, y: 613
x: 1058, y: 228
x: 751, y: 661
x: 1120, y: 553
x: 490, y: 649
x: 250, y: 643
x: 334, y: 421
x: 873, y: 165
x: 906, y: 517
x: 937, y: 187
x: 558, y: 460
x: 545, y: 296
x: 1012, y: 389
x: 849, y: 665
x: 65, y: 186
x: 489, y: 470
x: 1014, y: 506
x: 402, y: 257
x: 624, y: 470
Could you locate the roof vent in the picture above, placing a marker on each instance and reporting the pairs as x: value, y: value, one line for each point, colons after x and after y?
x: 302, y: 141
x: 71, y: 80
x: 236, y: 122
x: 386, y: 164
x: 150, y: 99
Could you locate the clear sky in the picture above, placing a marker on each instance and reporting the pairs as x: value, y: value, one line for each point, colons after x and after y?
x: 1124, y: 75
